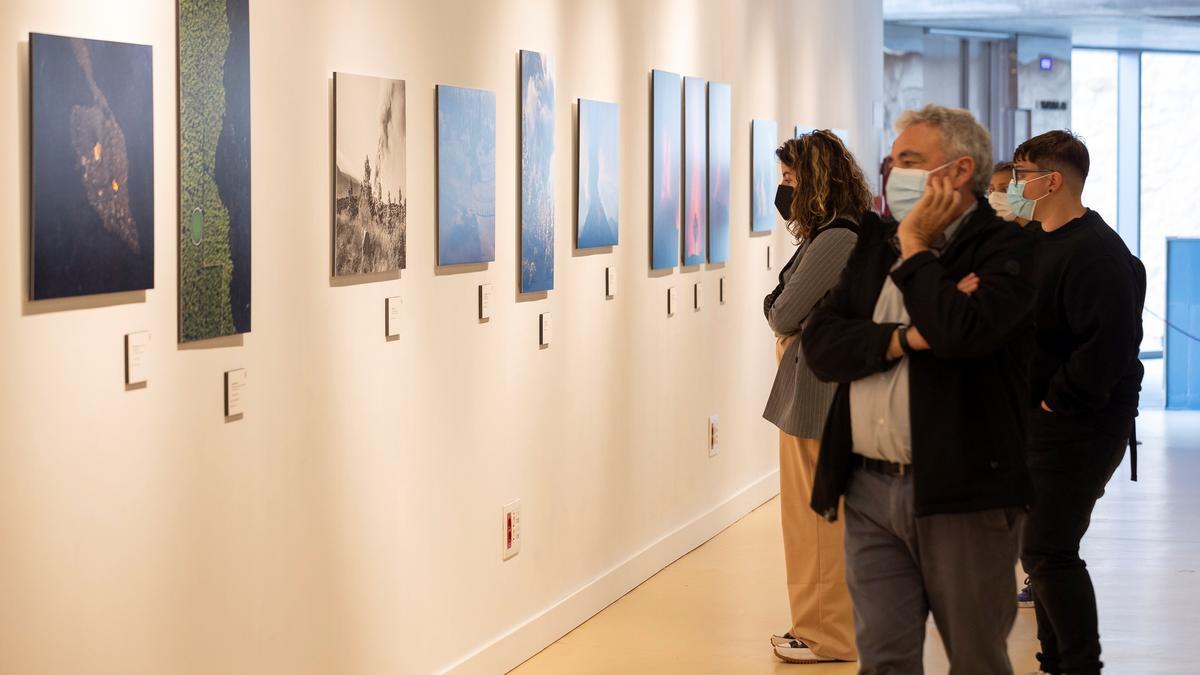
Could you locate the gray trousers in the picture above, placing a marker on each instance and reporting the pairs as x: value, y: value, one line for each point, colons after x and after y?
x: 961, y: 567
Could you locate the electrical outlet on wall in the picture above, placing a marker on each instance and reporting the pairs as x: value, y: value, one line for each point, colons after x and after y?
x: 511, y: 529
x: 714, y: 441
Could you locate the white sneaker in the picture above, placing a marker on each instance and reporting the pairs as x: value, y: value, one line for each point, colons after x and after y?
x: 778, y: 640
x: 798, y: 652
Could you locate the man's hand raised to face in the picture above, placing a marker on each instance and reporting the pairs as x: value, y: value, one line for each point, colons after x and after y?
x: 930, y: 217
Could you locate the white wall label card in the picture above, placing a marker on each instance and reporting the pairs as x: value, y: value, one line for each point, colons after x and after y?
x: 393, y: 316
x: 545, y: 329
x: 671, y: 301
x: 235, y: 388
x: 136, y: 346
x: 485, y: 302
x: 697, y: 290
x: 610, y: 282
x: 721, y: 291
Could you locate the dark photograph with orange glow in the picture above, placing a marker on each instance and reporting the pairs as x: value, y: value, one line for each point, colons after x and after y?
x: 93, y: 167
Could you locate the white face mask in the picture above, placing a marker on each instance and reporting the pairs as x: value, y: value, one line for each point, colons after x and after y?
x: 905, y: 188
x: 999, y: 201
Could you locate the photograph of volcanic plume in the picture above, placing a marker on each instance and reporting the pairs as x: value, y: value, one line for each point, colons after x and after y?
x: 695, y: 171
x: 599, y: 174
x: 214, y: 168
x: 763, y: 174
x: 665, y: 182
x: 93, y: 167
x: 720, y: 149
x: 370, y: 204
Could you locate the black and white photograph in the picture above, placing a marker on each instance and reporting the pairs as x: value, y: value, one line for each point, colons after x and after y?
x: 370, y: 204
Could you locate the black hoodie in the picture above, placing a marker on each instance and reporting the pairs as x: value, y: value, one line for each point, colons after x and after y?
x: 1088, y: 319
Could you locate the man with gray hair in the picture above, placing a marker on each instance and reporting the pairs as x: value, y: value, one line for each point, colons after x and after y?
x: 929, y: 335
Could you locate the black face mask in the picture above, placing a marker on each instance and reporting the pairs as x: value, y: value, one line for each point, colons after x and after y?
x: 783, y: 200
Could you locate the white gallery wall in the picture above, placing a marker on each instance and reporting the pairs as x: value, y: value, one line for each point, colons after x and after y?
x: 350, y: 522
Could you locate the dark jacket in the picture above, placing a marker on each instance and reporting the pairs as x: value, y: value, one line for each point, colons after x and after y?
x: 1089, y: 326
x: 968, y: 394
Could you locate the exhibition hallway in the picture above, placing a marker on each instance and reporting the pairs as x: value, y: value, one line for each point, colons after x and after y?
x: 713, y: 610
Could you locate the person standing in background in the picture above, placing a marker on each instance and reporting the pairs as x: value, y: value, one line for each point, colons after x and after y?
x: 824, y: 198
x: 1085, y: 381
x: 997, y: 196
x: 881, y: 205
x: 997, y: 193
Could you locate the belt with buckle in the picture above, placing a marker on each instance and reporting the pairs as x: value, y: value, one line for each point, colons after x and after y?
x: 880, y: 466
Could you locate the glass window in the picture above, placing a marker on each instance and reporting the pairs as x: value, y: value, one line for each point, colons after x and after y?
x: 1170, y: 164
x: 1094, y: 118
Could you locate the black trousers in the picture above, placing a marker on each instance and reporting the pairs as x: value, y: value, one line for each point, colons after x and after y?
x: 1070, y: 464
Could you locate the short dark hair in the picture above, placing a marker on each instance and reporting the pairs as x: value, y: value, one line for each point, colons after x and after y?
x: 1059, y: 150
x: 1002, y: 166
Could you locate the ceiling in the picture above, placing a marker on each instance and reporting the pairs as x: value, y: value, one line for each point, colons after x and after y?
x: 1127, y: 24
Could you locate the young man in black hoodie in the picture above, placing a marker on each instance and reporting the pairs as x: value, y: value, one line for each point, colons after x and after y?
x: 1084, y: 387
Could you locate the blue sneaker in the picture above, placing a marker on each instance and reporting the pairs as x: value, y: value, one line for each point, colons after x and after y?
x: 1025, y: 597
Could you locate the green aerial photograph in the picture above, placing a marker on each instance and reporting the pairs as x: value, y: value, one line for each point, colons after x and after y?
x: 214, y: 168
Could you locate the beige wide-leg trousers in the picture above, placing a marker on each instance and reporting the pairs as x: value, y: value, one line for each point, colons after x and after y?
x: 822, y: 616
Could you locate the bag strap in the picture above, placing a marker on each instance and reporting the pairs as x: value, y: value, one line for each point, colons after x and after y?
x: 1133, y: 443
x: 839, y: 224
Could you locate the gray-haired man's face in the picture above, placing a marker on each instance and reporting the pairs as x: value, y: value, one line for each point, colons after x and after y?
x: 920, y: 146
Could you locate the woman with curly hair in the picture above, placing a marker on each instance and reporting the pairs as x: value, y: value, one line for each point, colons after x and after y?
x: 824, y: 198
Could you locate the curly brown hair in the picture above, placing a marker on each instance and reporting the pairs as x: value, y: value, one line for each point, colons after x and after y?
x: 829, y: 182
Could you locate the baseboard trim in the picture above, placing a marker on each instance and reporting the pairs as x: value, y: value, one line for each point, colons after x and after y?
x: 535, y: 634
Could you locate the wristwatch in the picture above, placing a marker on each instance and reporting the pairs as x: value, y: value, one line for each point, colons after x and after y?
x: 902, y: 336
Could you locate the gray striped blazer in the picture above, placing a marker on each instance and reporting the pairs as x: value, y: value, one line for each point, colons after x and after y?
x: 799, y: 402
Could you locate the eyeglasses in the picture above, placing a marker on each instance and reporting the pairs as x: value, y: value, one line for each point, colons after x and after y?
x: 1017, y: 172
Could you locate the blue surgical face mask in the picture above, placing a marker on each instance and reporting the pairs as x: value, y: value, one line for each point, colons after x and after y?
x: 905, y: 188
x: 1021, y: 205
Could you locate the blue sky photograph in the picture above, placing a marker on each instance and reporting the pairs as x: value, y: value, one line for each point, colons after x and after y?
x: 466, y: 175
x: 537, y: 172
